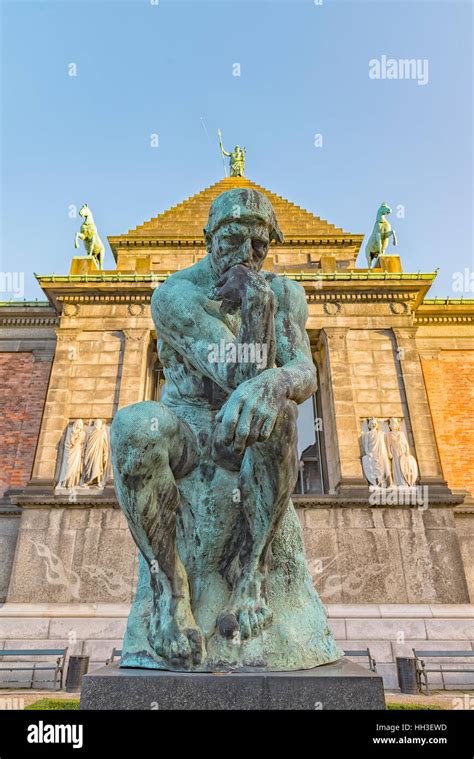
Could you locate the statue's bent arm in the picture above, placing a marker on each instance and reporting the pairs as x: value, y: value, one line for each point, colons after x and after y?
x: 191, y: 323
x: 224, y: 152
x: 293, y: 350
x: 264, y: 398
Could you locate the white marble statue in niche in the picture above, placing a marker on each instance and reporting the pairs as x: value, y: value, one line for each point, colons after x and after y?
x: 85, y: 460
x: 404, y: 466
x: 96, y: 455
x: 73, y: 455
x: 376, y: 461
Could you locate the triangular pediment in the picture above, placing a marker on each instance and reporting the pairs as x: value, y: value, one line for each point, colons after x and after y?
x: 186, y: 220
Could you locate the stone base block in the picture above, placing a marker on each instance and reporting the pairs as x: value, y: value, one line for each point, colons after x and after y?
x: 84, y: 265
x: 328, y: 264
x: 389, y: 263
x: 342, y: 685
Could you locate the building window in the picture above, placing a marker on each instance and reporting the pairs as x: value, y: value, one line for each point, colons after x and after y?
x: 158, y: 380
x: 312, y: 463
x: 155, y: 377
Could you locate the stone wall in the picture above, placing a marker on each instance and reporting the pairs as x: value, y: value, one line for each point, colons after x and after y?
x: 384, y: 555
x: 388, y: 630
x: 373, y: 372
x: 99, y: 366
x: 367, y: 350
x: 464, y: 519
x: 71, y: 555
x: 27, y: 342
x: 355, y: 555
x: 24, y: 383
x: 9, y: 524
x: 391, y: 630
x: 94, y: 381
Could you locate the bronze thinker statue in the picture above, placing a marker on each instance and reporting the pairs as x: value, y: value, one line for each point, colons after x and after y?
x: 205, y: 476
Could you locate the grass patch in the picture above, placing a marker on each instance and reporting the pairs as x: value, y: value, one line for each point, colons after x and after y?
x: 69, y: 703
x: 409, y: 707
x: 54, y: 703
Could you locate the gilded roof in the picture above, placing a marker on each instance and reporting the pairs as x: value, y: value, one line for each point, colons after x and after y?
x: 187, y: 219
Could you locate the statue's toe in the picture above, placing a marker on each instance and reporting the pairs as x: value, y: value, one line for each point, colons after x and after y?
x: 264, y: 615
x: 181, y: 647
x: 249, y: 621
x: 253, y: 622
x: 196, y: 643
x: 244, y: 622
x: 228, y: 625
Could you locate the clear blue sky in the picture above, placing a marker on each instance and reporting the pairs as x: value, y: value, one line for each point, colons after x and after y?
x: 144, y: 68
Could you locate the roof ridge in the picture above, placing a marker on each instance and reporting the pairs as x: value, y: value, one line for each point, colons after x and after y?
x: 297, y: 220
x: 173, y: 208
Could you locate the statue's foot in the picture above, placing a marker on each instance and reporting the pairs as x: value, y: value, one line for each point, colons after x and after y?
x: 247, y: 614
x: 178, y: 643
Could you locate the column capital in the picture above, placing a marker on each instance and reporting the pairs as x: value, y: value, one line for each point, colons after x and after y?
x: 136, y: 335
x: 430, y: 354
x: 333, y: 335
x: 335, y: 331
x: 405, y: 333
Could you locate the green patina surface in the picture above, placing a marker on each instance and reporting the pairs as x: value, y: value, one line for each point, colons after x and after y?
x: 204, y: 477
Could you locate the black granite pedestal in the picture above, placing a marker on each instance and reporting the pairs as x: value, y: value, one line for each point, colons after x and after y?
x: 343, y: 685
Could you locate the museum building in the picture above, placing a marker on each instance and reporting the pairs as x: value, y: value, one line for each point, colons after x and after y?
x: 391, y: 555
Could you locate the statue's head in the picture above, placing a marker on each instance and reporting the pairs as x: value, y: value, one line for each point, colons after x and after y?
x: 78, y: 425
x: 98, y: 423
x: 372, y: 423
x: 394, y: 424
x: 240, y: 228
x: 84, y: 210
x: 385, y: 209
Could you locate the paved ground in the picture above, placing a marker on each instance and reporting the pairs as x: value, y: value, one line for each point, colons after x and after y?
x: 447, y: 699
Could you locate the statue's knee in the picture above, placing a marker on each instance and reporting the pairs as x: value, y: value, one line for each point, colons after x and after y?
x: 140, y: 434
x: 143, y: 419
x: 123, y: 424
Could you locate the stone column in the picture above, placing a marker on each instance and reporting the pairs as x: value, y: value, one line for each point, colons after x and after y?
x: 134, y: 366
x: 340, y: 421
x: 421, y: 422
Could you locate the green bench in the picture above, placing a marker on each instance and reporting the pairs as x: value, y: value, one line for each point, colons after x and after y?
x: 34, y: 666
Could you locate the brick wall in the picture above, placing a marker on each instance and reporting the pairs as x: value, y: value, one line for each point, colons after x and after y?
x: 450, y: 388
x: 23, y: 385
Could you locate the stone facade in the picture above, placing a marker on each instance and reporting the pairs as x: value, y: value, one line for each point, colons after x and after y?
x: 27, y: 345
x: 381, y: 348
x: 388, y: 630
